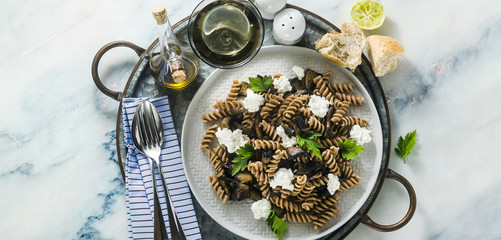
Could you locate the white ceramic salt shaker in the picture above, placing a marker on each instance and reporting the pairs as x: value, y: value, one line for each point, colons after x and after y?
x: 268, y: 8
x: 288, y: 26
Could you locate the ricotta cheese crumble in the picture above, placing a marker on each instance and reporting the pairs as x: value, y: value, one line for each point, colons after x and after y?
x: 319, y: 105
x: 283, y: 177
x: 253, y: 101
x: 261, y: 208
x: 282, y: 84
x: 333, y: 183
x: 299, y: 71
x: 233, y: 140
x: 360, y: 135
x: 286, y: 140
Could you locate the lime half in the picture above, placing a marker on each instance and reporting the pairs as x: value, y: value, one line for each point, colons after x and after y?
x: 368, y: 14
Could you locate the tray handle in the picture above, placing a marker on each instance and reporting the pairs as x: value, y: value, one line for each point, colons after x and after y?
x: 95, y: 64
x: 412, y: 206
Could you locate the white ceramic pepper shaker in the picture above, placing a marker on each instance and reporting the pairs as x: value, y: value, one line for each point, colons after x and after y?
x: 288, y: 26
x: 268, y: 8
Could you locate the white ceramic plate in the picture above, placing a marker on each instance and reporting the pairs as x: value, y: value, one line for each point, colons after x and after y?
x: 237, y: 216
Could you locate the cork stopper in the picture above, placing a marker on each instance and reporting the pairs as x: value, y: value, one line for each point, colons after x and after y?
x: 160, y: 15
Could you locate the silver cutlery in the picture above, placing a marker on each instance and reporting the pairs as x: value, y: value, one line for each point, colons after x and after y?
x: 147, y: 135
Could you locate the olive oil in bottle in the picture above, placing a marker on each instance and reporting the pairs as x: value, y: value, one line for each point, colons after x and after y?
x: 174, y: 67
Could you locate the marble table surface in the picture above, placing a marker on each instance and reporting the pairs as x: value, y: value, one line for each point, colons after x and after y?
x: 59, y: 177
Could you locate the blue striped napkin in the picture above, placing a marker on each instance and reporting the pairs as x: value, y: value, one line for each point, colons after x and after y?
x: 138, y: 181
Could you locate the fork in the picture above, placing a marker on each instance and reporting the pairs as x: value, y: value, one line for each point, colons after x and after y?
x: 147, y: 135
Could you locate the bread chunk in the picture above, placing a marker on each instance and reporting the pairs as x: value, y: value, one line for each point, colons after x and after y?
x: 345, y: 48
x: 384, y: 53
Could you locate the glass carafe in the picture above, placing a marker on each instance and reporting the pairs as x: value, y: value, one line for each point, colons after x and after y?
x: 173, y: 65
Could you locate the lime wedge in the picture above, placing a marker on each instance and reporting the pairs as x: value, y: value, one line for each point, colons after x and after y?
x: 368, y: 14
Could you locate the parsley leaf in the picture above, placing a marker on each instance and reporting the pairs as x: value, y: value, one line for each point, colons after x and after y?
x: 349, y: 149
x: 277, y: 225
x: 311, y: 143
x: 406, y: 145
x: 243, y: 154
x: 240, y: 165
x: 260, y: 84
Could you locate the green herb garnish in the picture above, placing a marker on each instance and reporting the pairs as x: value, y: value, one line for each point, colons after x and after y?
x: 311, y: 143
x: 349, y: 149
x: 243, y: 154
x: 277, y: 225
x: 405, y: 145
x: 260, y: 84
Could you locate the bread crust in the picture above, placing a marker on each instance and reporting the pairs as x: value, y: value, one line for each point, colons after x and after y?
x: 335, y: 42
x: 382, y: 49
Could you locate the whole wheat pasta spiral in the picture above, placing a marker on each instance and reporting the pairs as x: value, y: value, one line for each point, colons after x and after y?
x: 316, y: 125
x: 356, y: 100
x: 270, y: 131
x: 209, y: 135
x: 341, y: 87
x: 299, y: 217
x: 324, y: 217
x: 352, y: 179
x: 320, y: 181
x: 351, y: 120
x: 285, y: 204
x: 329, y: 157
x: 295, y: 105
x: 217, y: 163
x: 258, y: 170
x: 299, y: 185
x: 306, y: 192
x: 270, y: 106
x: 341, y: 109
x: 235, y: 88
x: 221, y: 193
x: 275, y: 160
x: 322, y: 87
x: 213, y: 116
x: 222, y: 153
x: 306, y: 112
x: 228, y: 105
x: 266, y: 144
x: 287, y: 101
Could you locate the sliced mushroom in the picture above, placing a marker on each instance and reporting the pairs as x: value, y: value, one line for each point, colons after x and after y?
x: 301, y: 93
x: 243, y: 89
x: 323, y: 192
x: 295, y: 152
x: 297, y: 84
x: 239, y: 191
x: 301, y: 126
x: 327, y: 122
x: 289, y: 131
x: 255, y: 194
x: 225, y: 123
x: 227, y: 170
x: 243, y: 177
x: 268, y: 153
x: 311, y: 169
x: 301, y: 169
x: 278, y: 211
x: 309, y: 75
x: 286, y: 163
x: 317, y: 169
x: 259, y: 131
